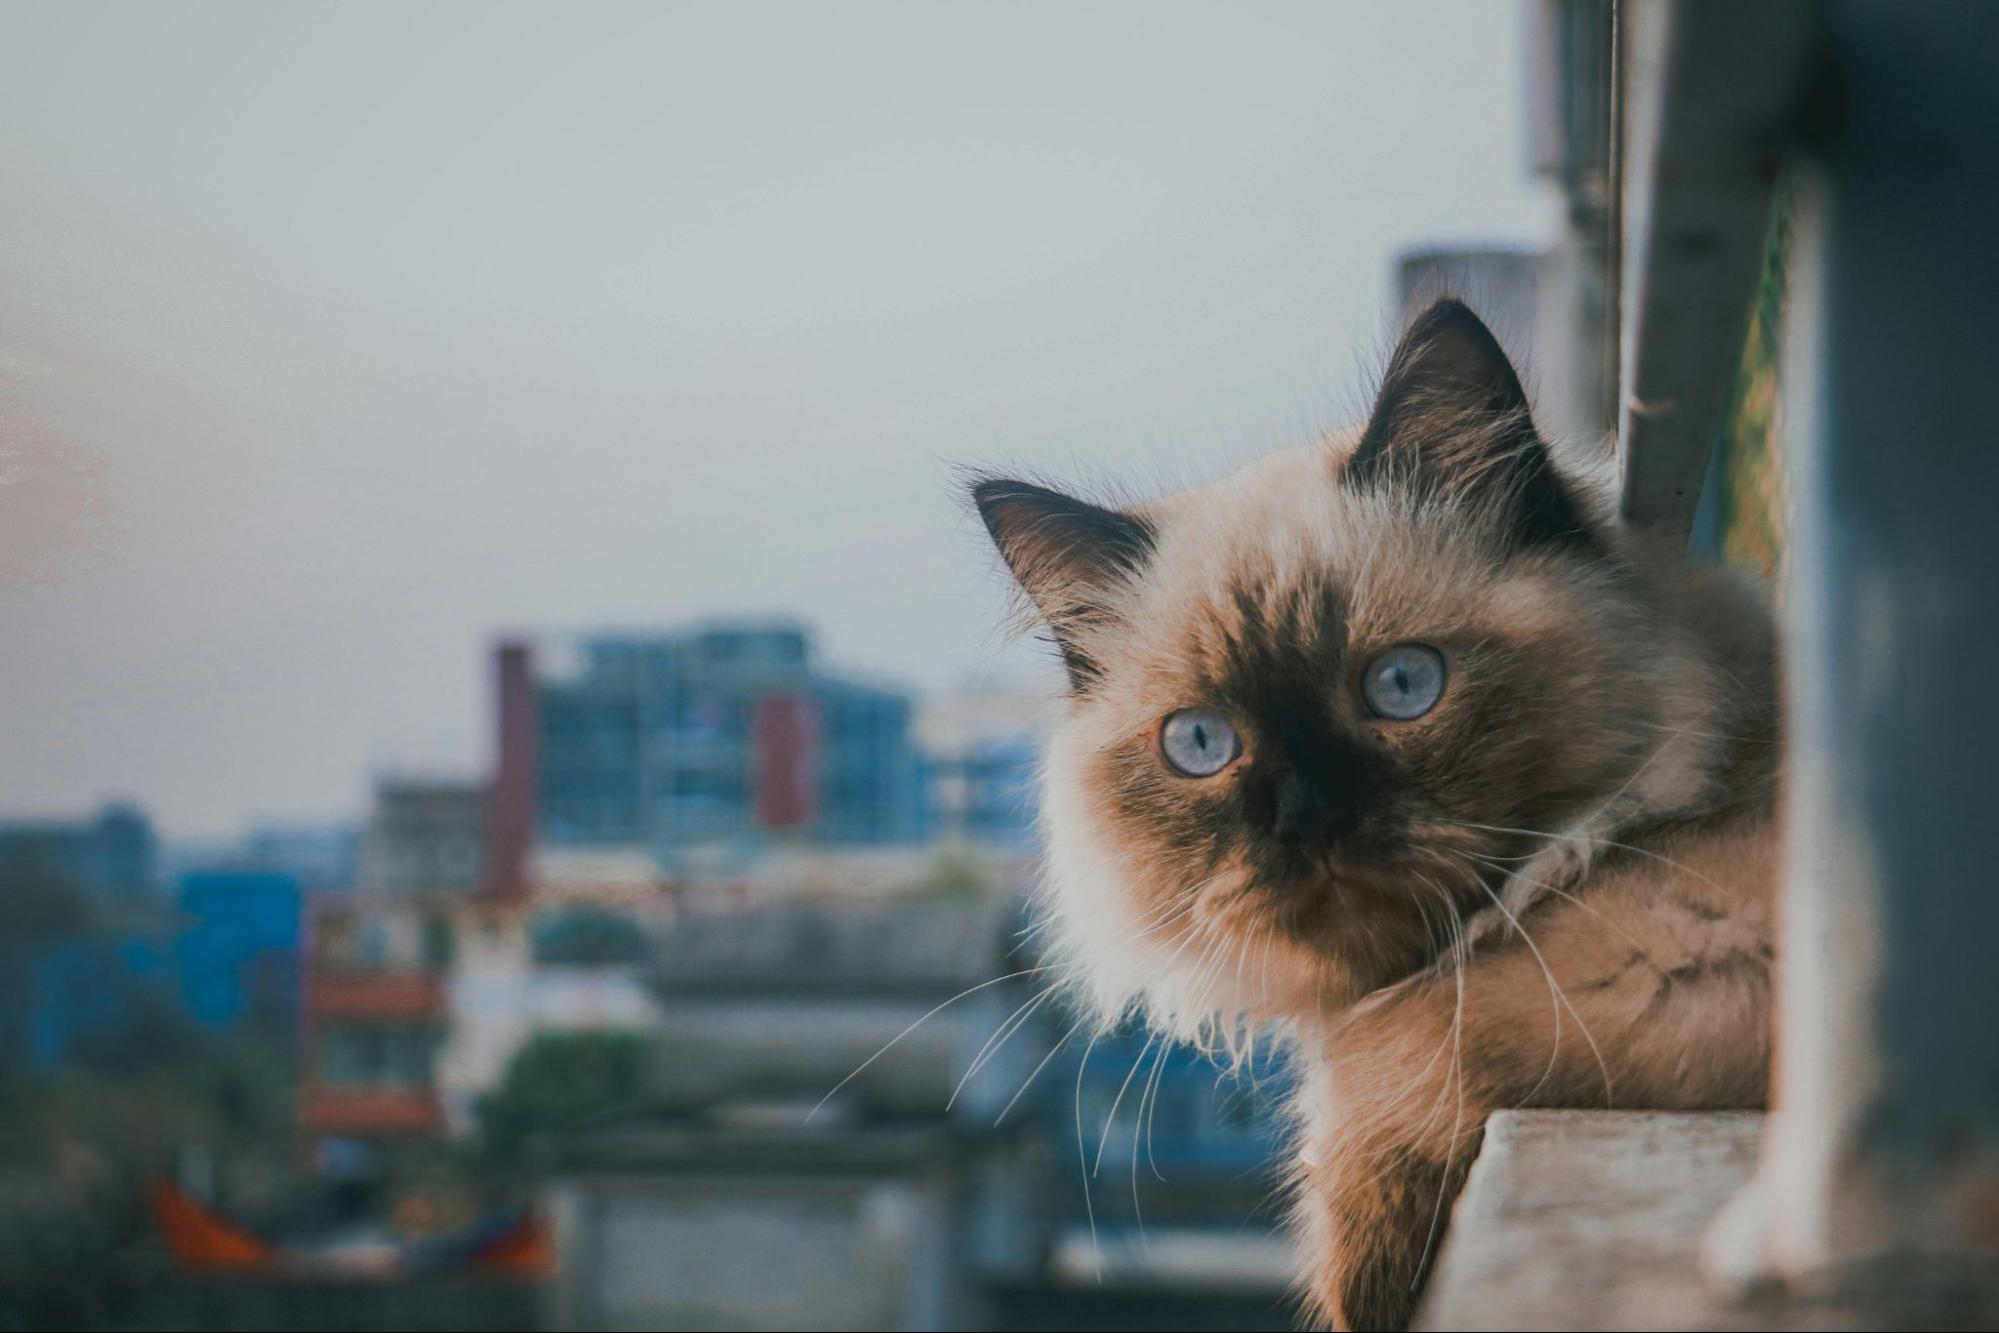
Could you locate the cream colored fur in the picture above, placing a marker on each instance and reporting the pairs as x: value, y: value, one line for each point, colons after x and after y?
x: 1563, y: 897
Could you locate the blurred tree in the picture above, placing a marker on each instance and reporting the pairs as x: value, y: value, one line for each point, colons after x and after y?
x: 586, y: 935
x: 77, y: 1147
x: 151, y: 1032
x: 130, y: 1089
x: 40, y: 905
x: 560, y: 1080
x: 958, y: 873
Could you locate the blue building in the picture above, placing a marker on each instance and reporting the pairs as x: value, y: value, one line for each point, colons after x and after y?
x: 719, y: 735
x: 982, y: 753
x: 870, y: 776
x: 237, y: 951
x: 985, y: 793
x: 113, y: 856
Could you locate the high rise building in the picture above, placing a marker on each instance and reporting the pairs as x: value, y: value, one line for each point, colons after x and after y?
x: 718, y: 735
x: 425, y: 838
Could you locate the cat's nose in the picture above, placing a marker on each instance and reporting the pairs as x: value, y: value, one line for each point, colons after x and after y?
x: 1303, y: 814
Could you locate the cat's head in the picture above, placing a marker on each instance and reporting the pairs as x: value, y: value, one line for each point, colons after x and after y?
x: 1313, y: 705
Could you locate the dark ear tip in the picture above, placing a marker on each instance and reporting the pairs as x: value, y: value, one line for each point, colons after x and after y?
x: 1450, y: 346
x: 1450, y: 316
x: 992, y: 495
x: 1022, y: 516
x: 994, y: 490
x: 1448, y: 307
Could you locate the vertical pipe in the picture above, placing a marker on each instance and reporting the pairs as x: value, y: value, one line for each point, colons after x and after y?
x: 510, y: 810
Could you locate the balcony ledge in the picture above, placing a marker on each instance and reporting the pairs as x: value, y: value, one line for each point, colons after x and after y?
x: 1595, y: 1220
x: 1591, y: 1220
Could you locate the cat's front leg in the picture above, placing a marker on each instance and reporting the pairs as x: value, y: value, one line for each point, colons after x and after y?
x: 1373, y: 1219
x: 1390, y: 1127
x: 1644, y: 990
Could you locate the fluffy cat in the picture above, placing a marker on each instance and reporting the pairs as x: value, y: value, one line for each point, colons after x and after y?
x: 1397, y: 744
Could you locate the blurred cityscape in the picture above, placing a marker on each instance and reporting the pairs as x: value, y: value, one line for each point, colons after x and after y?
x: 629, y: 1032
x: 711, y: 1003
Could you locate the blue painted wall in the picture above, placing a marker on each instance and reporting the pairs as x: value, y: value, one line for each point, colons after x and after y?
x: 237, y: 949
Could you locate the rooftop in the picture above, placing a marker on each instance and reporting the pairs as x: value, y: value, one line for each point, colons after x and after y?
x: 850, y: 949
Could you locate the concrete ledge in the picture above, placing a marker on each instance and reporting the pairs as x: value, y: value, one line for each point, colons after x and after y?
x: 1595, y: 1220
x: 1592, y: 1220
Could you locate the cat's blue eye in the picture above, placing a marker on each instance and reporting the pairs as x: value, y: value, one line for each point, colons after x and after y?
x: 1404, y: 683
x: 1198, y: 742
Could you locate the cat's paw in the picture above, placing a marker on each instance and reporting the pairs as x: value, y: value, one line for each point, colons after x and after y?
x: 1383, y: 1156
x: 1381, y: 1221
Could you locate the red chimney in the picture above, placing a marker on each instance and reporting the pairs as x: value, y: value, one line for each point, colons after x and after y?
x: 510, y: 808
x: 786, y: 729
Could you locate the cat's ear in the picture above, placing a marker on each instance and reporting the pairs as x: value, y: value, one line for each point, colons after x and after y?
x: 1067, y: 554
x: 1451, y: 421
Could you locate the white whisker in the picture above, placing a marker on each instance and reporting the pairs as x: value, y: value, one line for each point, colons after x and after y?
x: 969, y: 990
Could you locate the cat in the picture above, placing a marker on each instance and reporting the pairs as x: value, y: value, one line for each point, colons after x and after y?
x: 1398, y: 744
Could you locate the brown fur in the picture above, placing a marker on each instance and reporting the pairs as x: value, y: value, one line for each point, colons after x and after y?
x: 1648, y: 986
x: 1551, y: 889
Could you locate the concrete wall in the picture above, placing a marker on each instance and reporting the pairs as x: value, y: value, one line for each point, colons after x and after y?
x: 775, y: 1252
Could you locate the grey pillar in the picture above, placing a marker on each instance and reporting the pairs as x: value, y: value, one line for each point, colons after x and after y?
x: 1884, y: 1166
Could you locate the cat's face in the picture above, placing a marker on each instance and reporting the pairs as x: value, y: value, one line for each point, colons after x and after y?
x: 1315, y: 704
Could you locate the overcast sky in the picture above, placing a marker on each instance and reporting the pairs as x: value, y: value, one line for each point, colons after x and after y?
x: 334, y: 339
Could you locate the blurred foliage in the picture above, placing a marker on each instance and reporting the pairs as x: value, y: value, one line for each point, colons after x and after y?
x: 85, y: 1120
x: 78, y: 1146
x: 586, y: 935
x: 561, y: 1080
x: 132, y: 1100
x: 958, y: 873
x: 39, y: 905
x: 1755, y: 497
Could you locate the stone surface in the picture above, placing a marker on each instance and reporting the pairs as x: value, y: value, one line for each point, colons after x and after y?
x: 1591, y: 1220
x: 1597, y: 1220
